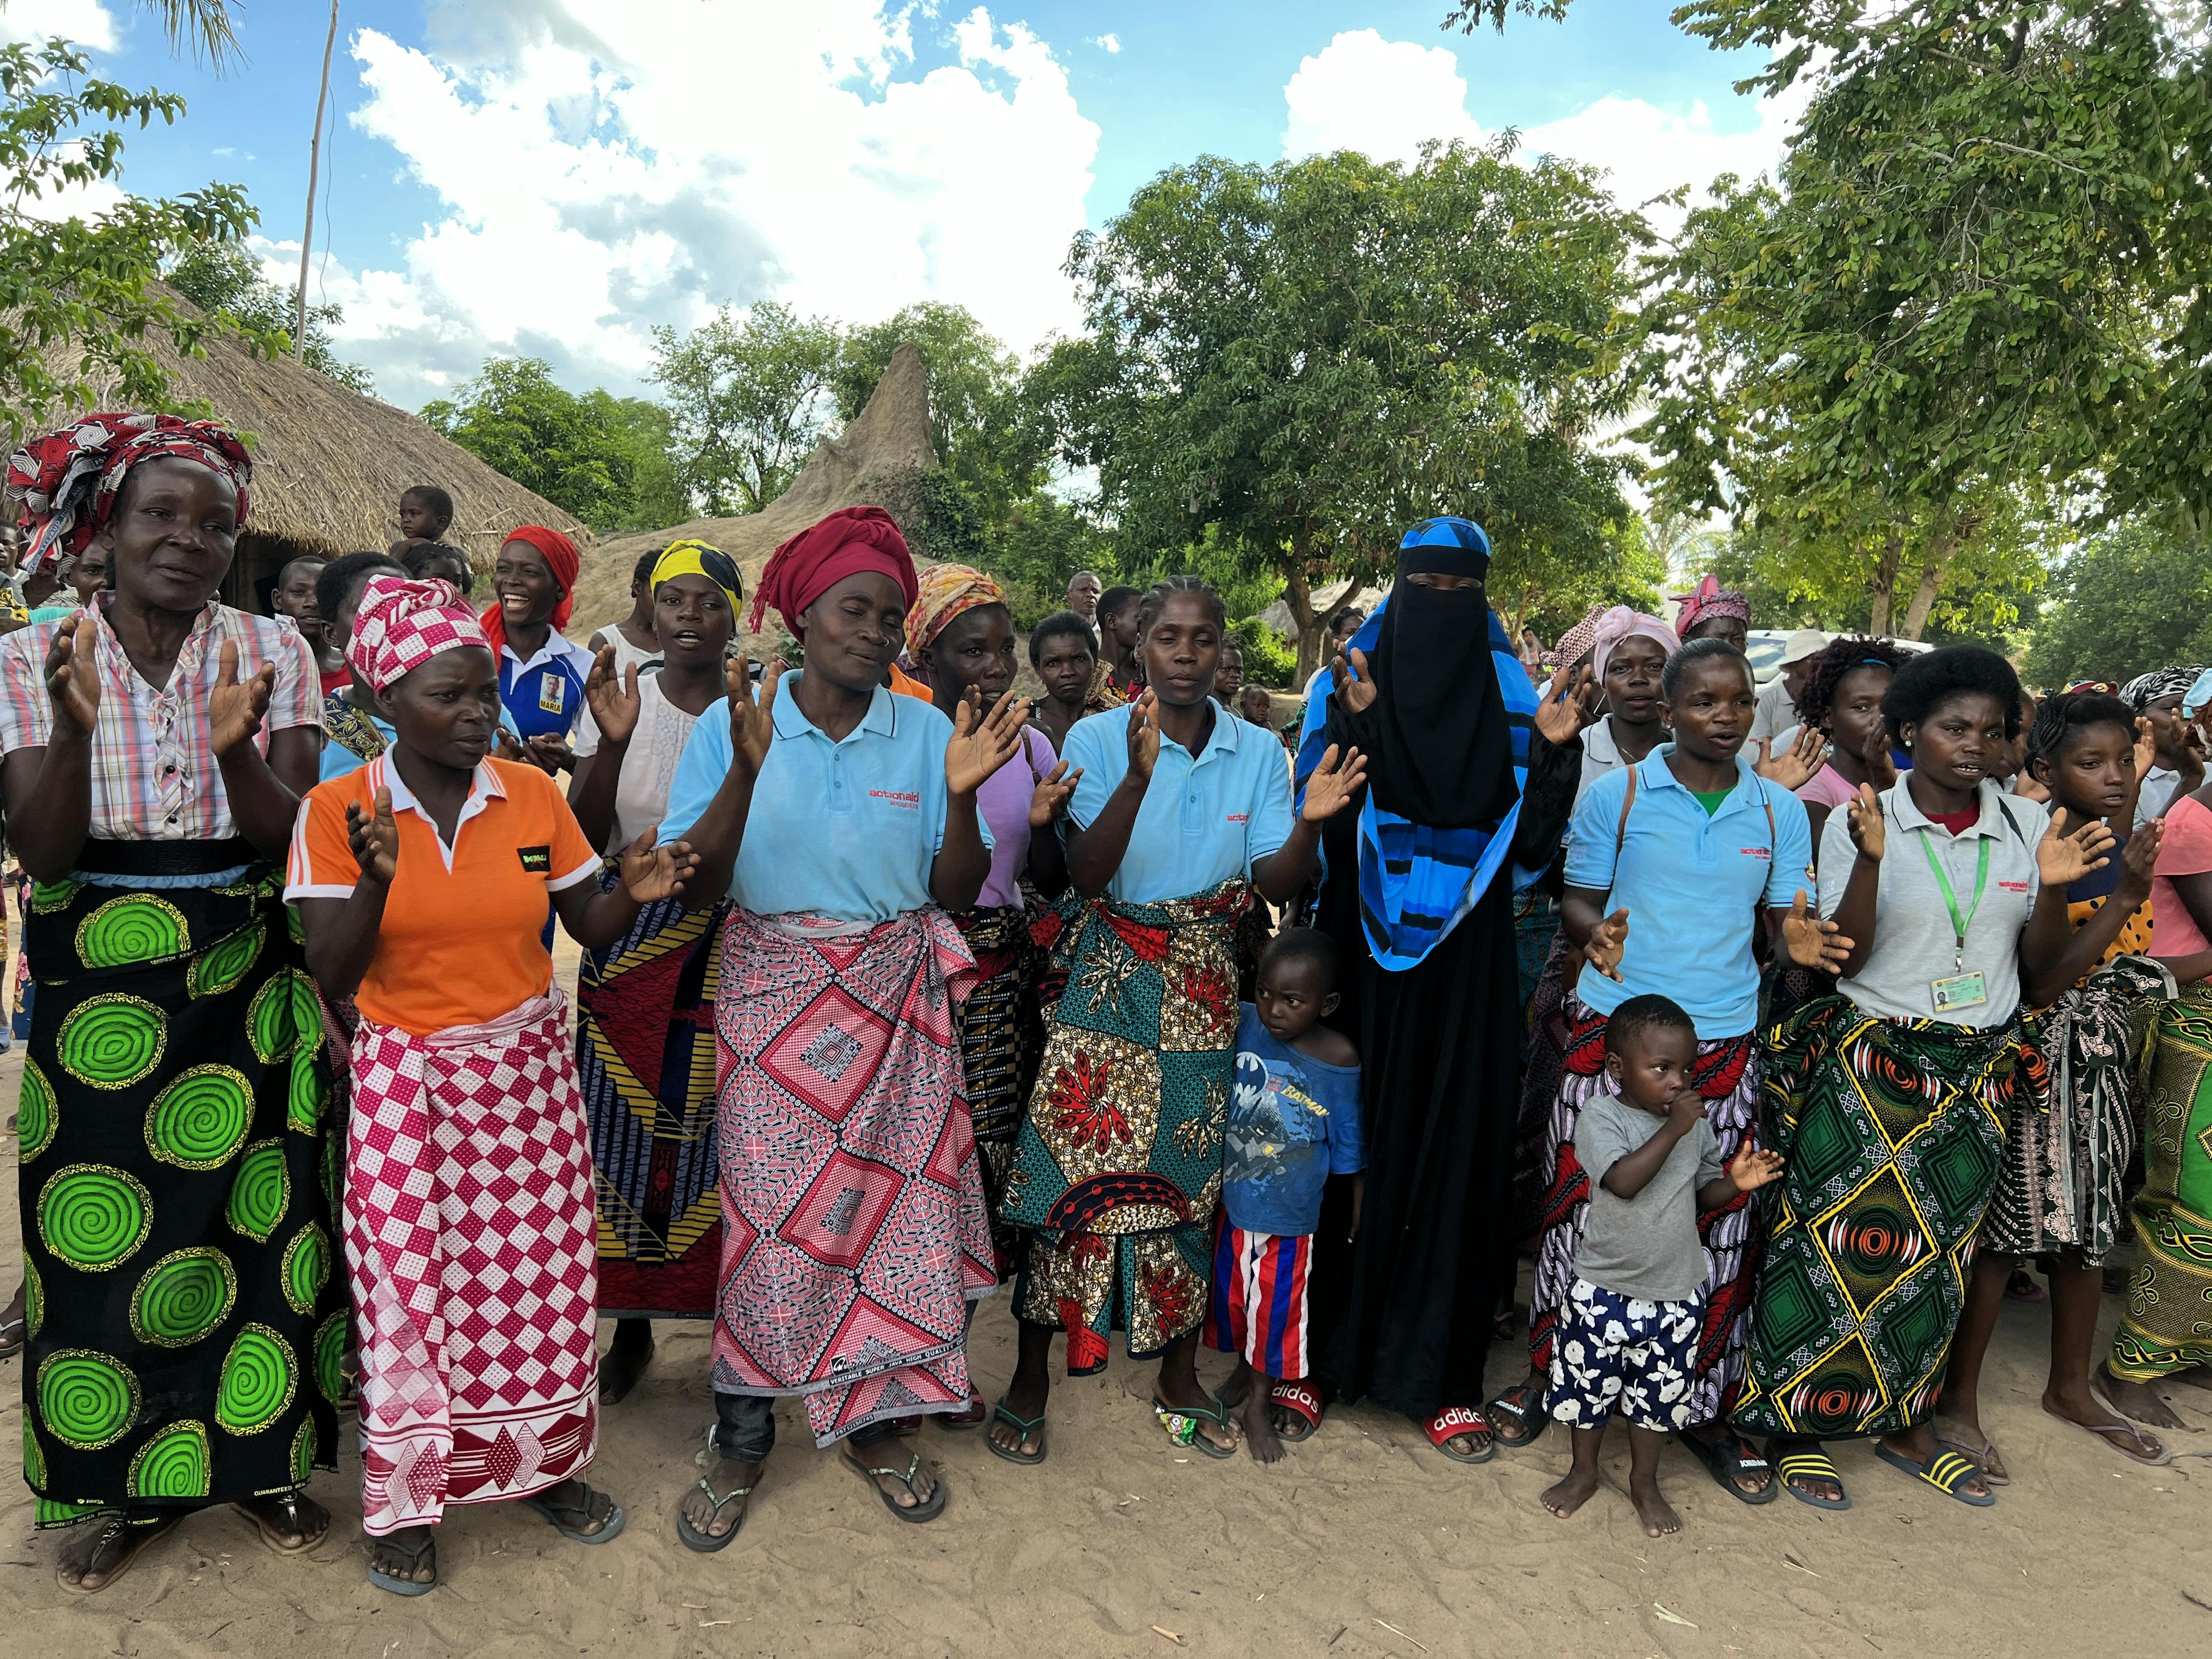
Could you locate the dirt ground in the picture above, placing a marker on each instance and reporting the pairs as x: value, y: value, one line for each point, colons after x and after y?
x: 1363, y: 1542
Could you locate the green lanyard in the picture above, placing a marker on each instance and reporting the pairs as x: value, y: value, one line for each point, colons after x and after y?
x: 1959, y: 923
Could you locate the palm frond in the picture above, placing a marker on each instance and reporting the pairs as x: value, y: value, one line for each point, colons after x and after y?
x: 205, y: 26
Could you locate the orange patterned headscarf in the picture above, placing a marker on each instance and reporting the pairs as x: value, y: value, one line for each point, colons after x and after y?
x: 943, y: 592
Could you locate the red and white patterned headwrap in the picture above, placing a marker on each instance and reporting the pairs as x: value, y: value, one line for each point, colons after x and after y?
x: 401, y: 624
x: 68, y: 480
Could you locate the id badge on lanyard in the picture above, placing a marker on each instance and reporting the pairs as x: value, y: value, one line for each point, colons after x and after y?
x: 1959, y: 989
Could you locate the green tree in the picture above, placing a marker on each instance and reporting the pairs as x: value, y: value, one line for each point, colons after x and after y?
x: 80, y: 292
x: 223, y: 278
x: 601, y: 458
x: 749, y: 393
x: 1302, y: 359
x: 2132, y: 599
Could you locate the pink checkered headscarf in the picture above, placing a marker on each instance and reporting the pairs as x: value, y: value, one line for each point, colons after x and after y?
x: 401, y: 624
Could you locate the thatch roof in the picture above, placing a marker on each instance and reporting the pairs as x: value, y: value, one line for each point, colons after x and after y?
x: 329, y: 464
x: 885, y: 446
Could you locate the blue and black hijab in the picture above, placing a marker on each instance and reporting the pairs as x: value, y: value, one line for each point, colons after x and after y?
x: 1446, y: 740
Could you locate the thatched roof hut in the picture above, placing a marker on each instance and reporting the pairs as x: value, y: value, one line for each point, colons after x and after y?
x: 329, y: 465
x: 873, y: 461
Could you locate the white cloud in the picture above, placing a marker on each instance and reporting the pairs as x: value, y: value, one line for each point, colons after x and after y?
x: 1108, y: 44
x: 590, y: 184
x: 1386, y: 97
x: 85, y: 22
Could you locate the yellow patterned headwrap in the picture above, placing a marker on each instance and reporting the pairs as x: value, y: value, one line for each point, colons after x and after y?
x: 695, y: 558
x: 943, y: 592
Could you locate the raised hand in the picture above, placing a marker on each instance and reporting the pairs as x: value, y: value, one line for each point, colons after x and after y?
x: 2062, y: 858
x: 651, y: 873
x: 613, y: 699
x: 72, y: 677
x: 1797, y: 765
x: 375, y: 838
x: 1562, y: 718
x: 1607, y: 941
x: 982, y: 743
x: 1866, y: 829
x: 1754, y: 1168
x: 2139, y: 862
x: 752, y: 721
x: 1811, y: 941
x: 234, y: 710
x: 1144, y: 735
x: 1050, y: 799
x: 1334, y: 785
x: 1354, y: 694
x: 1881, y: 764
x: 2146, y: 747
x: 506, y: 746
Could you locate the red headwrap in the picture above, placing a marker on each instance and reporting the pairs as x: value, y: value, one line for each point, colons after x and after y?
x: 68, y: 481
x: 561, y: 558
x: 849, y: 541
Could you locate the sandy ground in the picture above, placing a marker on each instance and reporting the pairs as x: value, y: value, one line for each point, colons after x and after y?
x: 1363, y: 1542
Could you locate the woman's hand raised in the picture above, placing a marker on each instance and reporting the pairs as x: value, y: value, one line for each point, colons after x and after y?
x: 1050, y: 797
x: 1562, y: 718
x: 1812, y: 942
x: 375, y: 838
x: 1144, y: 735
x: 752, y: 721
x: 1797, y: 765
x: 72, y: 678
x: 2063, y: 857
x: 982, y: 743
x: 1354, y: 694
x: 1334, y: 785
x: 612, y: 698
x: 235, y: 708
x: 651, y: 873
x: 1867, y: 827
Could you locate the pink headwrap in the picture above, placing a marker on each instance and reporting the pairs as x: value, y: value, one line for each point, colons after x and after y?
x: 1621, y: 623
x: 401, y: 624
x: 1710, y: 600
x: 68, y: 481
x: 849, y: 541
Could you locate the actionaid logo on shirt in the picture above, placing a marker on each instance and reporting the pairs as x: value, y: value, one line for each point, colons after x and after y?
x: 1756, y: 852
x: 906, y: 798
x: 2012, y: 886
x: 1240, y: 817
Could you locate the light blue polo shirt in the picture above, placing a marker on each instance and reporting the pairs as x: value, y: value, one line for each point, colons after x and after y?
x: 1202, y: 822
x: 1690, y: 884
x: 844, y: 829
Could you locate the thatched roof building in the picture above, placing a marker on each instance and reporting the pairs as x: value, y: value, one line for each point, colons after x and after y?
x: 329, y: 465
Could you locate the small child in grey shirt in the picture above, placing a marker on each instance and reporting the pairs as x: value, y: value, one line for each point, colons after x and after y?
x: 1628, y: 1334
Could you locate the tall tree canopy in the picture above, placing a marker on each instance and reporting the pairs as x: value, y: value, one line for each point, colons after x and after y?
x: 2134, y: 597
x: 749, y: 393
x: 1298, y: 361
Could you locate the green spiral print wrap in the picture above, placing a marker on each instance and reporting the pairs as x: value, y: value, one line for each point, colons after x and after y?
x: 269, y: 1020
x: 49, y: 896
x: 175, y: 1463
x: 261, y: 1192
x: 223, y: 964
x: 259, y: 1378
x: 86, y: 1399
x: 183, y: 1297
x: 93, y: 1216
x: 329, y: 1356
x: 36, y: 1115
x: 303, y: 1103
x: 34, y: 1456
x: 34, y: 1300
x: 303, y: 1450
x: 199, y: 1121
x: 307, y: 1011
x: 136, y: 927
x: 113, y: 1042
x: 307, y: 1267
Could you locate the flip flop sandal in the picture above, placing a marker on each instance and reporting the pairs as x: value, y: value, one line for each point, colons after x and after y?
x: 1522, y: 1405
x: 147, y: 1537
x: 1181, y: 1423
x: 1727, y: 1458
x: 706, y: 1543
x: 554, y: 1511
x: 1023, y: 1427
x: 414, y: 1553
x: 290, y: 1501
x: 1946, y: 1471
x: 14, y: 1333
x: 1303, y: 1403
x: 928, y: 1508
x: 1455, y: 1421
x: 1984, y: 1456
x: 1793, y: 1467
x: 2115, y: 1435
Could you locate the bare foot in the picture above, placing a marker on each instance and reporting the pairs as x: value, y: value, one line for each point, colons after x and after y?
x: 1657, y: 1516
x: 720, y: 1513
x: 1260, y: 1437
x: 2138, y: 1400
x: 409, y: 1555
x: 1568, y: 1495
x: 104, y: 1551
x: 1025, y: 1399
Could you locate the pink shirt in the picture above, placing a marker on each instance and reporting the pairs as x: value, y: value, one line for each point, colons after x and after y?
x: 1004, y: 801
x: 1825, y: 787
x: 2186, y: 851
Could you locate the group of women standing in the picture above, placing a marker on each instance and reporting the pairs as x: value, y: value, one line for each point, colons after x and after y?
x: 890, y: 997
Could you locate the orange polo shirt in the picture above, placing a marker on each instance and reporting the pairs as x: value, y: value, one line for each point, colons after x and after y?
x: 463, y: 938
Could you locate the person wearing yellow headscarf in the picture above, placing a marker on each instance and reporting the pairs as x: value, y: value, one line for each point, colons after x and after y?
x: 650, y: 1103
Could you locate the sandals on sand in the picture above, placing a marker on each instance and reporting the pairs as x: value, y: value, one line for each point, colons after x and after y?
x: 1730, y: 1458
x: 1303, y: 1403
x: 1024, y: 1427
x: 1456, y: 1422
x: 696, y: 1538
x: 289, y: 1504
x: 928, y: 1508
x: 1946, y: 1471
x: 2125, y: 1438
x: 1977, y: 1449
x: 116, y: 1530
x: 1521, y: 1408
x: 567, y: 1515
x: 425, y: 1546
x: 1790, y: 1467
x: 1181, y: 1423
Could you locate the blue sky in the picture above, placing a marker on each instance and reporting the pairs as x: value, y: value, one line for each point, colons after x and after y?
x: 558, y: 176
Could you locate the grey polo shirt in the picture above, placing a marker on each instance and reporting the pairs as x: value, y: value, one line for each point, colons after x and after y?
x: 1912, y: 939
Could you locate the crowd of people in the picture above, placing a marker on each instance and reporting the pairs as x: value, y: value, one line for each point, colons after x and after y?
x: 1779, y: 1033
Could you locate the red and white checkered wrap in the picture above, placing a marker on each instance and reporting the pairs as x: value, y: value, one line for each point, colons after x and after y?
x: 401, y: 624
x: 471, y: 1250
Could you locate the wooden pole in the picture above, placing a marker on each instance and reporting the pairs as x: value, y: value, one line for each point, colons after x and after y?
x: 314, y: 165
